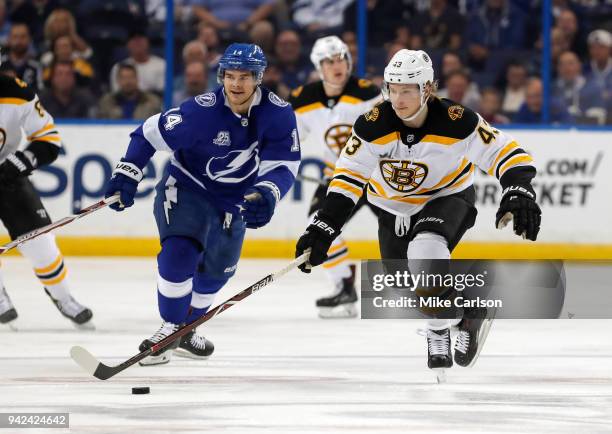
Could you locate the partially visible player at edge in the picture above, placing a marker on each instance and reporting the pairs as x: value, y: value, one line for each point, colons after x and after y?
x: 417, y: 153
x: 235, y: 153
x: 325, y: 112
x: 21, y: 209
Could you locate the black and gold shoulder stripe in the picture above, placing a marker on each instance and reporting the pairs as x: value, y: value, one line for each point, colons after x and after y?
x: 14, y: 91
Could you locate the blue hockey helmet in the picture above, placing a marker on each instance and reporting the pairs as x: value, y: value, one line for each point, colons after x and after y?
x: 243, y: 57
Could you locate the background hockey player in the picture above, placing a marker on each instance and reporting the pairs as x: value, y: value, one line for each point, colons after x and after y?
x: 325, y: 112
x: 417, y: 153
x: 235, y: 153
x: 21, y: 209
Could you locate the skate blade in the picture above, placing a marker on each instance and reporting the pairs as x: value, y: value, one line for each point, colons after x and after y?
x: 11, y: 325
x: 348, y: 310
x: 188, y: 355
x: 440, y: 375
x: 482, y: 337
x: 162, y: 359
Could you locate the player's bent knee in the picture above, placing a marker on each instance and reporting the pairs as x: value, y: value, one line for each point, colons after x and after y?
x: 178, y: 258
x: 428, y: 245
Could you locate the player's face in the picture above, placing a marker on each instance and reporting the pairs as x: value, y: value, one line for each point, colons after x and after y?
x: 335, y: 70
x: 239, y: 86
x: 405, y: 98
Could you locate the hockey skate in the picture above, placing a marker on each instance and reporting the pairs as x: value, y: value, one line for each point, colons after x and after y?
x: 74, y: 311
x: 8, y: 314
x: 473, y: 331
x: 439, y: 355
x: 162, y: 356
x: 342, y: 304
x: 194, y: 346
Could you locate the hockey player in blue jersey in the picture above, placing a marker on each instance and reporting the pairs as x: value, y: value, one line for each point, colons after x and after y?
x: 235, y: 153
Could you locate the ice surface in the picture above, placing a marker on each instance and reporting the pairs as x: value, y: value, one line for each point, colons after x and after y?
x: 277, y: 368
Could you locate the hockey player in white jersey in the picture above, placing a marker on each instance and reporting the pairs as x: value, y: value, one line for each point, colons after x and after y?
x: 325, y: 112
x: 416, y: 153
x: 21, y: 210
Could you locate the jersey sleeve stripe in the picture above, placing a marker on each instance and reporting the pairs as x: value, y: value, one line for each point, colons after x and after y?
x: 440, y: 140
x: 345, y: 178
x: 517, y: 151
x: 348, y: 190
x: 44, y: 129
x: 350, y: 99
x: 519, y: 160
x: 14, y: 101
x: 150, y: 130
x: 350, y: 173
x: 51, y: 139
x: 386, y: 139
x: 309, y: 107
x: 510, y: 146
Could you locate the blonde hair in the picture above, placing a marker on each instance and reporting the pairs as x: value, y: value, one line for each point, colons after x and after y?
x: 49, y: 31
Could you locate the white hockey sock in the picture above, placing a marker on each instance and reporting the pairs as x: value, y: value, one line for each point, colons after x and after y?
x: 337, y: 266
x: 48, y: 263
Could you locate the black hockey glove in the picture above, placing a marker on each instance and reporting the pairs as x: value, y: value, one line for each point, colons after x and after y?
x: 318, y: 237
x: 124, y: 181
x: 518, y: 204
x: 17, y: 165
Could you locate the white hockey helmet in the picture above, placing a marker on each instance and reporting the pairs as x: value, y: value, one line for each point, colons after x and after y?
x: 409, y: 67
x: 328, y: 47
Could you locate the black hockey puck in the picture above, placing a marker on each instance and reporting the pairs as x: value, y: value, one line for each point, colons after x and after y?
x: 140, y: 390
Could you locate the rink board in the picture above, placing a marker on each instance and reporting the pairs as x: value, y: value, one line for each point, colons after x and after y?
x: 574, y: 178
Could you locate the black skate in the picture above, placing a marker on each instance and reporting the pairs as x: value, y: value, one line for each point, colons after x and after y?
x: 343, y: 304
x: 473, y: 331
x: 162, y: 356
x: 439, y: 355
x: 74, y: 311
x: 194, y: 346
x: 7, y: 310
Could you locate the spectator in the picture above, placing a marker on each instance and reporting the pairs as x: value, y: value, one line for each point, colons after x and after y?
x: 498, y: 24
x: 319, y: 17
x: 600, y: 65
x: 61, y: 23
x: 490, y: 106
x: 210, y: 38
x: 530, y: 111
x: 441, y: 27
x: 64, y: 99
x: 451, y: 62
x: 516, y: 83
x: 5, y: 24
x: 459, y: 88
x: 262, y: 34
x: 572, y: 88
x: 195, y: 82
x: 233, y: 14
x: 387, y: 21
x: 34, y: 13
x: 19, y: 58
x: 151, y: 69
x: 288, y: 49
x: 567, y: 23
x: 63, y: 51
x: 272, y: 79
x: 129, y: 102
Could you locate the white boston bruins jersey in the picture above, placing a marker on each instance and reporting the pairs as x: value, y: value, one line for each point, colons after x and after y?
x: 329, y: 120
x: 404, y: 168
x: 21, y: 115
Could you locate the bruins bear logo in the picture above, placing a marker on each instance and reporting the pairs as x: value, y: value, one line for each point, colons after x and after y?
x: 337, y: 136
x: 372, y: 115
x: 403, y: 176
x: 455, y: 112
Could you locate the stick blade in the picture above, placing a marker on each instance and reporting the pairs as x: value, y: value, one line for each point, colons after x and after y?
x: 84, y: 359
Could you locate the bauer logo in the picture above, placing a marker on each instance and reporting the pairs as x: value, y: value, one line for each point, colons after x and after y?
x: 261, y: 283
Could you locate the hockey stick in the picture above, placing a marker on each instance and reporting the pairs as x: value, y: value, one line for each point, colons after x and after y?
x: 301, y: 177
x: 62, y: 222
x: 93, y: 366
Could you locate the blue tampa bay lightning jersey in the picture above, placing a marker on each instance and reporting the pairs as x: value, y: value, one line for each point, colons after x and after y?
x: 220, y: 153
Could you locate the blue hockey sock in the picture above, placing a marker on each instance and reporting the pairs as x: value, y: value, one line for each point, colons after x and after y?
x: 176, y: 263
x: 204, y: 291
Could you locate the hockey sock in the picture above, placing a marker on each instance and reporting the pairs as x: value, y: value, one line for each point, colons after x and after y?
x: 204, y: 291
x: 337, y: 266
x: 48, y: 263
x: 175, y: 264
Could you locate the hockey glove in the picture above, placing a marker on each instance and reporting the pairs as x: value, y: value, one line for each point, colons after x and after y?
x: 124, y: 181
x: 258, y: 206
x: 318, y: 237
x: 17, y: 165
x: 518, y: 204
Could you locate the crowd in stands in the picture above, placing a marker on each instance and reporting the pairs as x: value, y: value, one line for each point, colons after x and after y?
x: 105, y: 58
